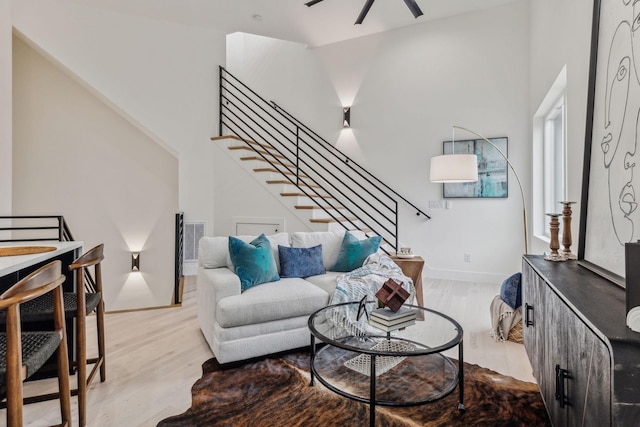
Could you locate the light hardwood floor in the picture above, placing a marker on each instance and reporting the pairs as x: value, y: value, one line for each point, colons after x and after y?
x: 155, y: 356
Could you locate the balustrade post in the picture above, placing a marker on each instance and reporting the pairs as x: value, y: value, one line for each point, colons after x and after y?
x: 298, y: 155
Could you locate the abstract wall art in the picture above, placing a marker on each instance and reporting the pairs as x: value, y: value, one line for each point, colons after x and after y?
x: 493, y: 175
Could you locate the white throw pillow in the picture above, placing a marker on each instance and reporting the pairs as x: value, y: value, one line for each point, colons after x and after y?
x: 331, y: 242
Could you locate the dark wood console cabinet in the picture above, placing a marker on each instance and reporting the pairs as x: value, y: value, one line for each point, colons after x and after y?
x: 585, y: 359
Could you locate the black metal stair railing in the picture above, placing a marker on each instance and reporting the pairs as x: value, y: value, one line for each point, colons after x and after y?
x: 40, y: 228
x: 178, y: 259
x: 334, y: 182
x: 34, y: 228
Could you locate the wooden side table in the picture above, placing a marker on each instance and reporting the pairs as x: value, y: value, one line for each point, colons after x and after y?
x: 412, y: 267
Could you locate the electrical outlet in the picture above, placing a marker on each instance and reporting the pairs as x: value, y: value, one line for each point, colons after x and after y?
x: 467, y: 257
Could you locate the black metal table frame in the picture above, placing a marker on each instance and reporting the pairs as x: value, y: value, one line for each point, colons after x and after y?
x: 457, y: 341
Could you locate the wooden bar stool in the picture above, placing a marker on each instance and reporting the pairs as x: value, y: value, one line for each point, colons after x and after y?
x: 86, y: 299
x: 22, y: 354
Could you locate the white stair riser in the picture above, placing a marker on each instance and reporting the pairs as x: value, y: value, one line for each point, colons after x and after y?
x: 267, y: 176
x: 334, y: 226
x: 255, y: 164
x: 311, y: 201
x: 321, y: 214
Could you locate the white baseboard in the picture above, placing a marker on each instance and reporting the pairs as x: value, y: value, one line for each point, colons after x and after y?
x: 464, y: 276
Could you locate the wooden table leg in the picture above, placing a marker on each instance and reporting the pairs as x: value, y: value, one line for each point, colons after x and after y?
x: 412, y: 267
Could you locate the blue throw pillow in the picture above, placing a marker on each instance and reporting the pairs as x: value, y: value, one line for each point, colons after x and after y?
x: 253, y: 262
x: 300, y: 262
x: 353, y: 252
x: 511, y: 291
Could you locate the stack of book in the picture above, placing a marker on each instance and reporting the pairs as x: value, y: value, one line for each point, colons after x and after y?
x: 388, y: 320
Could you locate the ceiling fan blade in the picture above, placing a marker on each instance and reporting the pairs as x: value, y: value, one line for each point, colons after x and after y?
x: 413, y: 7
x: 364, y: 12
x: 312, y: 2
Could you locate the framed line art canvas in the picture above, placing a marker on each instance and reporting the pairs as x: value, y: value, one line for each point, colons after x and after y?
x: 610, y: 215
x: 493, y: 173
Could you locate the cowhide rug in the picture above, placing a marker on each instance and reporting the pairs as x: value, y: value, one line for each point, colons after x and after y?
x: 275, y: 392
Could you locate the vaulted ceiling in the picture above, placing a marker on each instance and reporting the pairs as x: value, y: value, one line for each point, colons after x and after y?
x: 326, y: 22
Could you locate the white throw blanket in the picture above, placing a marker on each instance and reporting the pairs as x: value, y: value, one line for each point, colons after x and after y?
x: 364, y: 281
x: 503, y: 318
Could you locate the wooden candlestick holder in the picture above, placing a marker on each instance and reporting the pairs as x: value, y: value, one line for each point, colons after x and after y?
x: 566, y: 230
x: 554, y: 226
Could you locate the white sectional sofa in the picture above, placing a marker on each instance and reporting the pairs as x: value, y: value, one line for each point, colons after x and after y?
x: 267, y: 318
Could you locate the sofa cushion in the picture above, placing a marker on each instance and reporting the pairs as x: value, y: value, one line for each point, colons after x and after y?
x: 253, y: 262
x: 274, y: 239
x: 287, y: 298
x: 330, y: 241
x: 353, y: 252
x: 300, y: 262
x: 213, y: 252
x: 326, y: 282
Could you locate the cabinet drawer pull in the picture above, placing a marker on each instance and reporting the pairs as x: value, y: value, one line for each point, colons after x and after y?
x: 528, y: 315
x: 561, y: 376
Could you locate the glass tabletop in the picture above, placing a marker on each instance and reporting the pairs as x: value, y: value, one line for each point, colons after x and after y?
x: 339, y: 325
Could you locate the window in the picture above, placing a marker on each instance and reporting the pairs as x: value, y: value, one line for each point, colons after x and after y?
x: 549, y: 157
x: 553, y: 164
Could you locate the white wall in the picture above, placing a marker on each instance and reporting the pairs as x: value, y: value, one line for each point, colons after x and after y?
x: 74, y: 155
x: 289, y: 74
x: 161, y: 75
x: 487, y: 70
x: 5, y: 107
x: 561, y: 35
x: 407, y: 88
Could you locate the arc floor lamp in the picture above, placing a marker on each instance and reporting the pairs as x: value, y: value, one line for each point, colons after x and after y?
x: 457, y: 168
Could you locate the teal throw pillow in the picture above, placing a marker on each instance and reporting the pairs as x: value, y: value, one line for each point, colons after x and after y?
x: 300, y: 262
x: 253, y: 262
x: 353, y: 252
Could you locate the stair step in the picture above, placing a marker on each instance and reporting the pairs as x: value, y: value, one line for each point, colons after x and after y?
x: 221, y: 137
x: 323, y: 196
x: 331, y: 220
x: 285, y: 182
x: 253, y: 150
x: 274, y: 170
x: 246, y: 141
x: 260, y: 159
x: 318, y: 207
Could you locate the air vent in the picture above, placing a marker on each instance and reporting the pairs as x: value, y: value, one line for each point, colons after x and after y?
x: 193, y: 231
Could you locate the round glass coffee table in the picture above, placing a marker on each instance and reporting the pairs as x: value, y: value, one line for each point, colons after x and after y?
x: 403, y: 367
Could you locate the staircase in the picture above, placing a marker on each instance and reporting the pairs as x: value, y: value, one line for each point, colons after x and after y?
x: 312, y: 176
x: 305, y: 207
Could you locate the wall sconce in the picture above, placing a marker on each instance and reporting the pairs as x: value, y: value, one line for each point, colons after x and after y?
x: 135, y: 261
x: 346, y: 117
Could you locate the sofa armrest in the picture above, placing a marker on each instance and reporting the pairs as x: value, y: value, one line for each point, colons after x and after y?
x: 221, y: 281
x: 213, y: 285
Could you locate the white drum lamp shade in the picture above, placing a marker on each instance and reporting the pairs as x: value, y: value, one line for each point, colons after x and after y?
x: 454, y: 168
